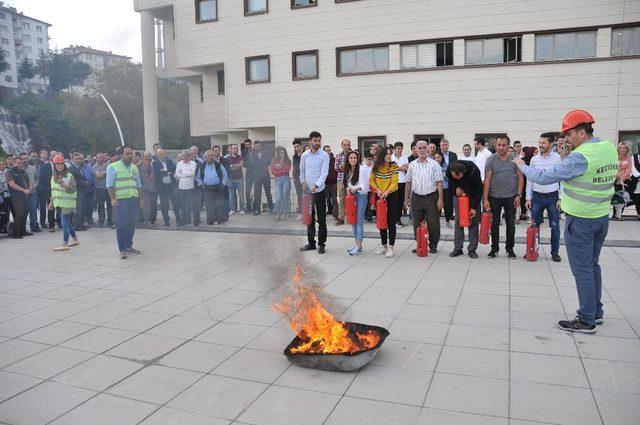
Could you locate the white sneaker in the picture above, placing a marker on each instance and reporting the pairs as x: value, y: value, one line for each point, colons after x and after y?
x: 242, y: 212
x: 381, y: 250
x: 389, y: 253
x: 356, y: 251
x: 232, y: 212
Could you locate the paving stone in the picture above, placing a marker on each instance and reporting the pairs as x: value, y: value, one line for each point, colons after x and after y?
x: 98, y: 373
x: 106, y: 410
x: 356, y: 411
x: 155, y: 384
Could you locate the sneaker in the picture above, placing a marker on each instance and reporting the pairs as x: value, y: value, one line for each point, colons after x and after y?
x: 599, y: 320
x: 576, y: 325
x: 308, y: 247
x: 400, y: 224
x: 556, y: 258
x: 299, y: 217
x: 455, y: 253
x: 52, y: 229
x: 61, y: 248
x: 381, y: 250
x: 321, y: 249
x: 414, y: 251
x: 36, y: 230
x: 133, y: 251
x: 389, y: 253
x: 356, y: 251
x: 449, y: 225
x: 242, y: 212
x: 511, y: 254
x: 473, y: 255
x: 74, y: 242
x: 232, y: 212
x: 123, y: 255
x: 339, y: 222
x: 492, y: 254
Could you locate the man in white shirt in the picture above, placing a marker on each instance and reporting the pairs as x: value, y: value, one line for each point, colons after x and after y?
x: 424, y: 194
x: 186, y: 175
x: 482, y: 155
x: 403, y: 162
x: 467, y: 153
x: 546, y: 197
x: 314, y: 168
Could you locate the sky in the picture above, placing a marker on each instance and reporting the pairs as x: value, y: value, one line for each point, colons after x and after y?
x: 102, y: 24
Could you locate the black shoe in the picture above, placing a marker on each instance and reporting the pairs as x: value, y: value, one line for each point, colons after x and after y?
x: 472, y: 254
x: 196, y: 224
x: 166, y: 223
x: 81, y: 229
x: 492, y: 254
x: 17, y: 236
x: 308, y: 247
x: 511, y: 254
x: 456, y: 253
x: 36, y: 230
x: 256, y: 213
x: 599, y: 320
x: 433, y: 250
x: 321, y: 249
x: 27, y: 234
x: 100, y: 224
x: 401, y: 224
x: 556, y: 258
x: 414, y: 251
x: 576, y: 325
x: 52, y: 229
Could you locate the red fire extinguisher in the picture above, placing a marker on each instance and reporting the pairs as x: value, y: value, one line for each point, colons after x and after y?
x: 381, y: 214
x: 306, y: 209
x: 351, y: 209
x: 464, y: 210
x: 485, y: 227
x: 422, y: 240
x: 533, y: 234
x: 372, y: 196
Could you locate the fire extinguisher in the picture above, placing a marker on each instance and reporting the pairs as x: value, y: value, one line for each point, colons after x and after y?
x: 381, y: 214
x: 485, y: 227
x: 464, y: 211
x: 422, y: 240
x: 351, y: 209
x: 306, y: 209
x: 372, y: 196
x: 533, y: 235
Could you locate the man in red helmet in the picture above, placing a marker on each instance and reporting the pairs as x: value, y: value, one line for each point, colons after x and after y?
x: 588, y: 175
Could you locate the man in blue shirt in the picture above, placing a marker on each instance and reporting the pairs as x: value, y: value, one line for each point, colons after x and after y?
x: 212, y: 178
x: 314, y: 168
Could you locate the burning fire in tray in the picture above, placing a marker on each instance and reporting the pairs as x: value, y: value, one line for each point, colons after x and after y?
x: 321, y: 336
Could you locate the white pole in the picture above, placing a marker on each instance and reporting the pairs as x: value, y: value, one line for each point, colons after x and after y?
x: 114, y: 118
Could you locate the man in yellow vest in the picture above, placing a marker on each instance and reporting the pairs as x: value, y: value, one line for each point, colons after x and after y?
x: 588, y: 175
x: 123, y: 184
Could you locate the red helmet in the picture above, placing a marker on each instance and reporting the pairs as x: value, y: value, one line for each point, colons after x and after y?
x: 58, y: 159
x: 575, y: 118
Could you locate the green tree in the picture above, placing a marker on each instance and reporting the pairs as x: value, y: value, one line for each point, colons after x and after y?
x: 4, y: 65
x: 43, y: 68
x: 63, y: 71
x: 26, y: 71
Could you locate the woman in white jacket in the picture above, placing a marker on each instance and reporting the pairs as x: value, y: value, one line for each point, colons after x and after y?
x: 356, y: 180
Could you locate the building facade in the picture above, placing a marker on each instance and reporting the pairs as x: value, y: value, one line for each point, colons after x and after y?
x: 378, y: 71
x: 21, y: 37
x: 98, y: 60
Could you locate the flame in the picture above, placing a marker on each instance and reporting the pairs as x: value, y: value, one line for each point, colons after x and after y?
x: 317, y: 327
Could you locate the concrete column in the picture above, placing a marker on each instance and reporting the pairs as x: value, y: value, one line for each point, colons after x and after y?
x: 149, y: 83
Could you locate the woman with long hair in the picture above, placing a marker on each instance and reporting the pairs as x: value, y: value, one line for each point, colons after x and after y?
x: 622, y: 179
x: 356, y: 180
x: 280, y: 166
x: 384, y: 181
x: 63, y: 196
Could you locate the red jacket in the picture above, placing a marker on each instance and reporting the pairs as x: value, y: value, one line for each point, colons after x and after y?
x: 283, y: 170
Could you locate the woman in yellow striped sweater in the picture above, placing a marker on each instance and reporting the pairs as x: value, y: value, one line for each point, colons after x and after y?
x: 384, y: 181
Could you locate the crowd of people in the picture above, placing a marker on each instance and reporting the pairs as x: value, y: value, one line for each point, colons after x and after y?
x: 424, y: 184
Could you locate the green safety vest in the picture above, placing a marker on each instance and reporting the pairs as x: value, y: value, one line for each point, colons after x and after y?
x: 126, y: 185
x: 60, y: 197
x: 589, y: 195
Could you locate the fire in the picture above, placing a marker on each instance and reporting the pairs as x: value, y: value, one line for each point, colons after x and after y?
x: 317, y: 327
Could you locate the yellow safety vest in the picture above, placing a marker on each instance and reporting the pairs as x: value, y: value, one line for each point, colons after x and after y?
x: 126, y: 185
x: 60, y: 197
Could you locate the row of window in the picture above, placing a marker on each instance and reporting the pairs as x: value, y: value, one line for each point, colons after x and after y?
x: 207, y: 10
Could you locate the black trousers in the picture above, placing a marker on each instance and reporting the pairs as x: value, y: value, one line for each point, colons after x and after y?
x: 165, y: 197
x: 248, y: 187
x: 393, y: 199
x: 425, y: 208
x: 152, y: 197
x: 20, y: 213
x: 214, y: 201
x: 5, y: 209
x: 258, y: 184
x: 47, y: 216
x: 401, y: 189
x: 447, y: 196
x: 298, y: 186
x: 497, y: 205
x: 81, y: 208
x: 635, y: 197
x: 319, y: 213
x: 104, y: 205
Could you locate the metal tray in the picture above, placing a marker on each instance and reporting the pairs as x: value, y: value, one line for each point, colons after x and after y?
x: 345, y: 362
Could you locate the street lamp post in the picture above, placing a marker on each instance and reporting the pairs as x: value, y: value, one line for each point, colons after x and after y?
x: 114, y: 117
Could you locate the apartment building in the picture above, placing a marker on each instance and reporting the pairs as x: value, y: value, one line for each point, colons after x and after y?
x: 379, y: 71
x: 98, y: 60
x: 21, y: 37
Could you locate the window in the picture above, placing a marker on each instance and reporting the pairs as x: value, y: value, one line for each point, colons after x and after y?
x: 256, y: 7
x: 5, y: 40
x: 40, y: 40
x: 257, y: 69
x: 426, y: 55
x: 364, y: 143
x: 305, y: 65
x: 625, y: 41
x: 569, y: 45
x: 26, y: 37
x: 633, y: 137
x: 206, y: 11
x: 38, y: 28
x: 26, y: 25
x: 493, y: 50
x: 3, y: 16
x: 4, y: 28
x: 370, y: 59
x: 299, y: 4
x: 429, y: 138
x: 8, y: 78
x: 221, y: 82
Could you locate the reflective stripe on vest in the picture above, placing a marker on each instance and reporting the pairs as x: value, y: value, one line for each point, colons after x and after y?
x: 126, y: 184
x: 60, y: 197
x: 589, y: 195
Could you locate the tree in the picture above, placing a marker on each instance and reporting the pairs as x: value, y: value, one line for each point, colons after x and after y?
x: 4, y: 65
x: 43, y: 68
x: 26, y: 71
x: 63, y: 71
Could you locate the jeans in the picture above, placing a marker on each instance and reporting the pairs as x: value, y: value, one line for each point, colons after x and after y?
x: 358, y: 228
x: 236, y: 192
x: 584, y: 238
x: 67, y: 227
x: 497, y: 205
x: 81, y: 207
x: 319, y: 211
x: 33, y: 211
x: 283, y: 192
x: 458, y: 232
x: 549, y: 202
x: 104, y: 203
x: 126, y: 214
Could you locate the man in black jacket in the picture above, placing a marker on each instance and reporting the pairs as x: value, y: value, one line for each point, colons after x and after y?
x: 75, y: 168
x: 261, y: 178
x: 464, y: 179
x: 449, y: 158
x: 45, y: 171
x: 164, y: 169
